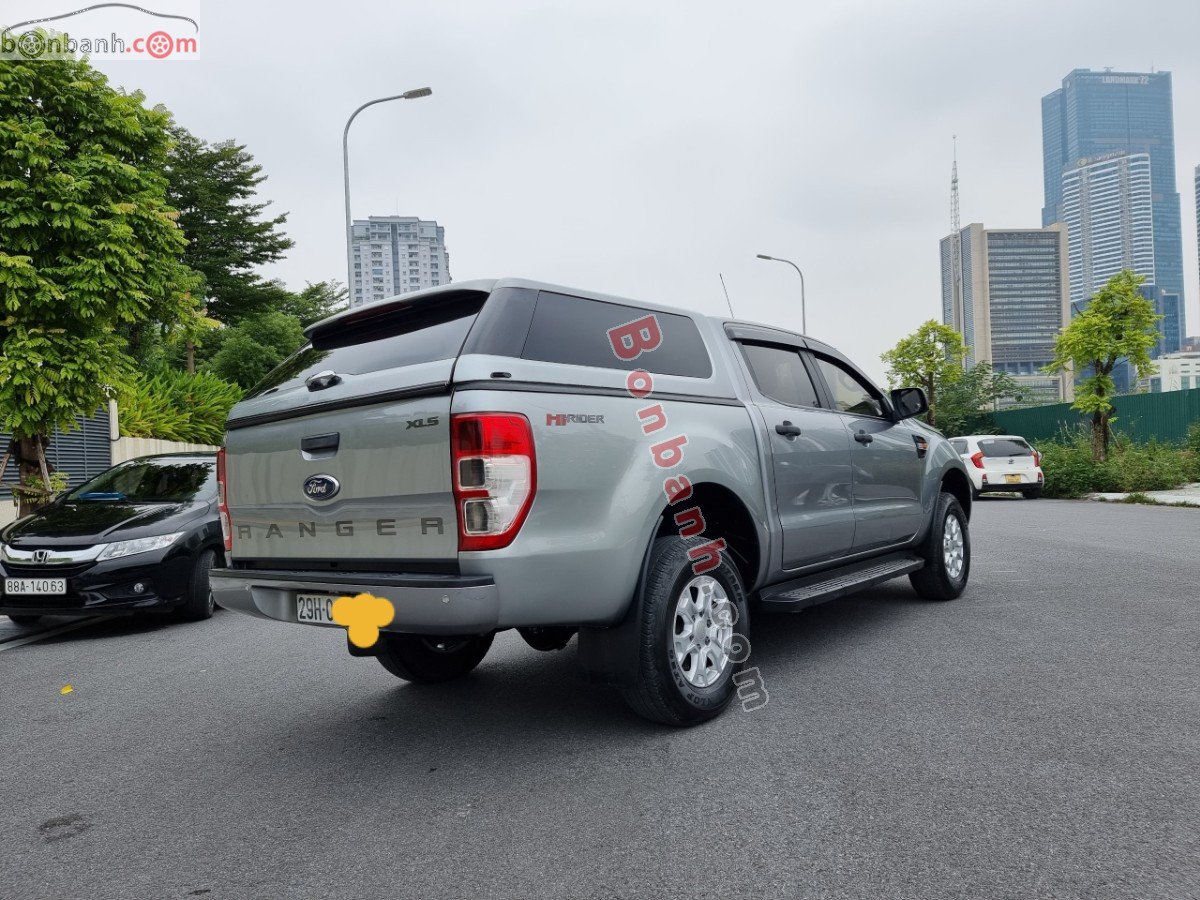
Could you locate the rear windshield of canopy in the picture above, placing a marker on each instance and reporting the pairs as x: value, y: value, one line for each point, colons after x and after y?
x: 427, y: 331
x: 1005, y: 447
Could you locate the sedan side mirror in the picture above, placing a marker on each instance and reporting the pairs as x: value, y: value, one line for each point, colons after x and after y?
x: 909, y: 402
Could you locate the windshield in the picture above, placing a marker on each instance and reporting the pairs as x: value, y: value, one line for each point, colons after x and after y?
x: 151, y: 481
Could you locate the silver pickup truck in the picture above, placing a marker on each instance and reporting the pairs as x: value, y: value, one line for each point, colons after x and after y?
x: 509, y: 454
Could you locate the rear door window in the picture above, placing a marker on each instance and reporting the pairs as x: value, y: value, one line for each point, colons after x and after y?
x: 428, y: 332
x: 1005, y: 447
x: 779, y: 373
x: 574, y: 331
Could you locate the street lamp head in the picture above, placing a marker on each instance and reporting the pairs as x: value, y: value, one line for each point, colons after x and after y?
x: 418, y: 92
x: 764, y: 256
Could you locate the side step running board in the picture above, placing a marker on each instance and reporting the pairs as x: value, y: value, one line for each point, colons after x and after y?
x: 795, y: 595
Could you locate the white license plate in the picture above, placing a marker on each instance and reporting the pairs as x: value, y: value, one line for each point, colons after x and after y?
x: 35, y: 585
x: 315, y: 608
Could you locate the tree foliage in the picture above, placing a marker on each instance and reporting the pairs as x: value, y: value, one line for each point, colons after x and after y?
x: 1118, y: 323
x: 253, y: 348
x: 966, y: 402
x: 215, y: 189
x: 89, y: 243
x: 315, y: 302
x: 928, y: 358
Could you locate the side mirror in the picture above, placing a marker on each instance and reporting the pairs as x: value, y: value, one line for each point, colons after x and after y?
x: 909, y: 402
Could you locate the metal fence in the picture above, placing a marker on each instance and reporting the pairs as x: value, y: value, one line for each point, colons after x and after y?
x: 81, y: 454
x: 1163, y: 417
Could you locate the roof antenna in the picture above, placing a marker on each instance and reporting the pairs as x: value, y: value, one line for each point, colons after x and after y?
x: 727, y: 301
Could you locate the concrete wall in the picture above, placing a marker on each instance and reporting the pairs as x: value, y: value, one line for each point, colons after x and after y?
x: 131, y: 448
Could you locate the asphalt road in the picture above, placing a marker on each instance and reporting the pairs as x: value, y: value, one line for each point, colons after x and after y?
x: 1038, y: 738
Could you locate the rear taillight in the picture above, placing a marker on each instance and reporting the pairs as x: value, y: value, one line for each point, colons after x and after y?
x: 223, y: 502
x: 495, y: 477
x: 1037, y: 458
x: 977, y: 458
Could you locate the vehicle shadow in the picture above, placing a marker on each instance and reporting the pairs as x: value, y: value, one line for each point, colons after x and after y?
x: 534, y: 698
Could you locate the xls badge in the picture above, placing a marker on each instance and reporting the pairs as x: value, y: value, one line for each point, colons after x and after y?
x: 321, y: 487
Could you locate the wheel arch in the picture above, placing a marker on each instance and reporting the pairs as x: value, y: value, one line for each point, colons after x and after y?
x: 956, y: 482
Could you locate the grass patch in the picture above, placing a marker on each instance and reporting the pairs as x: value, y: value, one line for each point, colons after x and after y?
x: 1130, y: 468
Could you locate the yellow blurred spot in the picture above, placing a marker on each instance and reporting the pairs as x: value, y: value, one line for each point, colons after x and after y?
x: 363, y: 616
x: 66, y: 689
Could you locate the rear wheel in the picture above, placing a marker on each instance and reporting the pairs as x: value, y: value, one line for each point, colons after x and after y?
x: 688, y: 646
x: 198, y: 603
x: 429, y: 659
x: 26, y: 620
x: 1032, y: 493
x: 947, y: 553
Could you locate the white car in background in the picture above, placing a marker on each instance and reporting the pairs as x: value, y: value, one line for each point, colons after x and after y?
x: 1001, y: 463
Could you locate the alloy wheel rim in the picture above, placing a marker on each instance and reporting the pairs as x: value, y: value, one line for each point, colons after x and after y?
x: 953, y: 547
x: 702, y: 631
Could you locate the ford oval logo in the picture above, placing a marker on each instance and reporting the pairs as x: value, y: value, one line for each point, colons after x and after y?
x: 321, y: 487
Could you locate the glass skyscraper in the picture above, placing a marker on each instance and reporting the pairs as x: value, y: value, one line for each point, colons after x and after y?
x: 1097, y: 114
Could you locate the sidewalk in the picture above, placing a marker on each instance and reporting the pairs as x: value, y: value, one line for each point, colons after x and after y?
x: 1188, y: 494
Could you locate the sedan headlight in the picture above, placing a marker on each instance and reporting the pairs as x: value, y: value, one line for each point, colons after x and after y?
x: 139, y: 545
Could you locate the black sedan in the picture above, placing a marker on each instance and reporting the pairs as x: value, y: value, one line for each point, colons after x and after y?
x: 141, y: 536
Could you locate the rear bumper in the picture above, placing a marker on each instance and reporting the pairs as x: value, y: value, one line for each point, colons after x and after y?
x: 424, y: 604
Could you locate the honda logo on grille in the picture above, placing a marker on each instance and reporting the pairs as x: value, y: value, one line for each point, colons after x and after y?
x: 40, y: 556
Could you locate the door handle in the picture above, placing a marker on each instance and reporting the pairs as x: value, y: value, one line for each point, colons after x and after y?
x: 788, y: 430
x: 863, y: 438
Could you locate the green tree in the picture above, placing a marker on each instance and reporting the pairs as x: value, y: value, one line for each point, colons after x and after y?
x: 966, y: 402
x: 928, y: 358
x: 89, y: 246
x: 254, y: 347
x: 315, y: 302
x: 1118, y: 323
x: 215, y: 189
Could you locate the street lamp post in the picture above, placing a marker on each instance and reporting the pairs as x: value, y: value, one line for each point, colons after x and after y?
x: 803, y: 305
x: 407, y: 95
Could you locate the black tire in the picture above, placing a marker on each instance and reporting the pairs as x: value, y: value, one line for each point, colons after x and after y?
x: 25, y: 621
x: 935, y: 581
x: 663, y: 691
x: 975, y: 493
x: 198, y: 603
x: 1033, y: 493
x: 431, y: 659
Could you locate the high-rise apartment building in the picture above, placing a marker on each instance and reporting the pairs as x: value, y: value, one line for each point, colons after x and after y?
x: 1098, y: 114
x: 1015, y: 300
x: 393, y: 255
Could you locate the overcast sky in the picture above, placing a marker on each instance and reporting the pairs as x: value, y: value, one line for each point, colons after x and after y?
x: 642, y: 148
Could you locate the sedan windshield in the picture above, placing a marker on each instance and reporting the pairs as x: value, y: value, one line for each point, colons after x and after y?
x: 151, y: 481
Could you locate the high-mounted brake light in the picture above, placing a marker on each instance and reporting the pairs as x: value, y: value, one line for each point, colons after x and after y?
x: 495, y: 477
x: 223, y: 502
x: 977, y: 458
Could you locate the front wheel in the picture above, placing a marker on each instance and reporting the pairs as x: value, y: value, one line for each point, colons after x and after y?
x: 689, y: 650
x: 429, y: 659
x: 198, y: 603
x: 947, y: 553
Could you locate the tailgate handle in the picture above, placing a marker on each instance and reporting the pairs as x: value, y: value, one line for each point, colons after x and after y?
x: 320, y: 443
x: 323, y: 380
